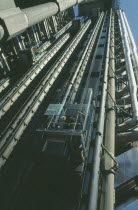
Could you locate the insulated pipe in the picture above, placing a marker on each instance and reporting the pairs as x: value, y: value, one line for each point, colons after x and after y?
x: 133, y: 46
x: 94, y: 182
x: 131, y: 78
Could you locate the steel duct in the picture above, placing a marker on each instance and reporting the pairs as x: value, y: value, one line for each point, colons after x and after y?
x: 131, y: 78
x: 38, y: 13
x: 133, y: 46
x: 14, y: 21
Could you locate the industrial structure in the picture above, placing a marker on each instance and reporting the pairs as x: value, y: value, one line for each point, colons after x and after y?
x: 68, y: 106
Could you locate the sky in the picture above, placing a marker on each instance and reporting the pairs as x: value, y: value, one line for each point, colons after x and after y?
x: 130, y: 8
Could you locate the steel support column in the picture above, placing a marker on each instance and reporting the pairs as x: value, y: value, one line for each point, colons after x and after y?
x: 110, y: 130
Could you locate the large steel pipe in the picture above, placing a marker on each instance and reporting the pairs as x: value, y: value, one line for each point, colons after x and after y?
x: 66, y: 4
x: 110, y: 130
x: 133, y: 46
x: 38, y: 13
x: 14, y: 21
x: 131, y: 78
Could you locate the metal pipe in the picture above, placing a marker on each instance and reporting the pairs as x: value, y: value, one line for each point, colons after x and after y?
x: 93, y: 195
x: 65, y: 4
x: 1, y: 32
x: 12, y: 135
x: 81, y: 62
x: 30, y: 16
x: 9, y: 99
x: 110, y: 129
x: 131, y: 78
x: 39, y: 13
x: 133, y: 46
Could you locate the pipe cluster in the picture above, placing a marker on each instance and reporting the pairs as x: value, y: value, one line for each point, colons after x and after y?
x: 14, y: 20
x: 131, y: 63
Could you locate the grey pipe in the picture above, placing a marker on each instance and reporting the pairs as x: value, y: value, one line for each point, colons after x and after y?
x: 81, y: 62
x: 110, y: 130
x: 14, y: 21
x: 93, y: 195
x: 38, y: 13
x: 65, y: 4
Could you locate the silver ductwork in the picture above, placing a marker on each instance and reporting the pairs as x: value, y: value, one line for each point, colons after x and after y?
x: 131, y: 78
x: 132, y: 45
x: 66, y: 4
x: 14, y: 21
x: 39, y: 13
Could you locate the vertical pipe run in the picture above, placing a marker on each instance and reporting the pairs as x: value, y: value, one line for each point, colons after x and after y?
x: 94, y: 185
x: 110, y: 130
x: 131, y: 78
x: 133, y: 46
x: 132, y: 81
